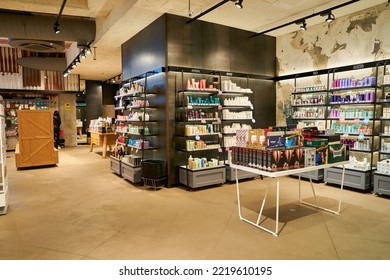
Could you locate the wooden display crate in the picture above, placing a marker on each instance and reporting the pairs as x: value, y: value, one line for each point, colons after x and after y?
x: 36, y: 139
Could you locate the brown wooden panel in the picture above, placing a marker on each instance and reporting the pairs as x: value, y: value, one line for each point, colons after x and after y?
x: 36, y: 138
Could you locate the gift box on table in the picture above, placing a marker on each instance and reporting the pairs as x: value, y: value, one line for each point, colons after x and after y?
x: 298, y: 158
x: 276, y: 160
x: 337, y: 152
x: 310, y: 156
x: 241, y: 137
x: 275, y: 139
x: 321, y: 146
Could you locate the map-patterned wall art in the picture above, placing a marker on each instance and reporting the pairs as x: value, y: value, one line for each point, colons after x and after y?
x: 357, y: 38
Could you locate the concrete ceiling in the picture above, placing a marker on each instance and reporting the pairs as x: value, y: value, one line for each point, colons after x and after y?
x: 119, y: 20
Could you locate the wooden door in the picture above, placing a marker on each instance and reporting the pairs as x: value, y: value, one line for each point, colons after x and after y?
x: 36, y: 138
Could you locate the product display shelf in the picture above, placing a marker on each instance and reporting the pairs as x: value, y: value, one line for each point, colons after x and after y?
x: 235, y: 101
x: 134, y: 101
x: 354, y: 113
x: 198, y: 125
x: 3, y: 163
x: 310, y: 98
x: 384, y: 147
x: 309, y: 101
x: 382, y: 175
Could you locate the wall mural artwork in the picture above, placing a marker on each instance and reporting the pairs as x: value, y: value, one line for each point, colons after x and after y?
x: 356, y: 38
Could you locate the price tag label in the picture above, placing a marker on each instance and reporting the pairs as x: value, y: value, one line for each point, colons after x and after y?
x: 361, y: 136
x: 253, y: 120
x: 220, y: 150
x: 189, y: 107
x: 219, y: 107
x: 251, y: 107
x: 219, y: 91
x: 342, y: 119
x: 203, y: 121
x: 218, y: 121
x: 136, y: 151
x: 366, y: 120
x: 197, y: 137
x: 219, y: 135
x: 227, y: 149
x: 356, y: 120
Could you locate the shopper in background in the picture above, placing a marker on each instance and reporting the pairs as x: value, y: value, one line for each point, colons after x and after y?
x: 57, y: 125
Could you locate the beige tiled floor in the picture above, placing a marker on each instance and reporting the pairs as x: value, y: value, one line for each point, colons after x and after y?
x: 80, y: 210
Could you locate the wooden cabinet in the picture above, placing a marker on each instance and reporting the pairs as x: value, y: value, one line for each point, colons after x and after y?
x: 36, y: 139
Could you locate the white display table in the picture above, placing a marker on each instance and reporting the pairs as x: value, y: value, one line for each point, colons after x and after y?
x: 276, y: 175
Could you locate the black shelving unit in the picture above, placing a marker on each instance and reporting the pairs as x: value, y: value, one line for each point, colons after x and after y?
x: 136, y: 126
x: 198, y: 132
x: 382, y: 175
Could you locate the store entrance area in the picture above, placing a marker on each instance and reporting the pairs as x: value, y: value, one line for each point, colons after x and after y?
x: 81, y: 210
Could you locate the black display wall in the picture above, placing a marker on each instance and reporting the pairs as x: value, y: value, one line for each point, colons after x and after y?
x: 145, y: 51
x: 93, y: 100
x: 108, y: 93
x: 211, y: 46
x: 170, y: 42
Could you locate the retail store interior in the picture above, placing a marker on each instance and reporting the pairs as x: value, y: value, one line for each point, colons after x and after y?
x: 168, y: 130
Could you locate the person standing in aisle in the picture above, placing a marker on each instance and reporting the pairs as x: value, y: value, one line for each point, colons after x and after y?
x: 57, y: 125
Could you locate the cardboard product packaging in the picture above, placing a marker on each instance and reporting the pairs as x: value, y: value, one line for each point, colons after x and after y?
x: 337, y: 152
x: 321, y: 146
x: 275, y: 139
x: 293, y: 138
x: 241, y: 137
x: 257, y: 138
x: 309, y: 132
x: 298, y: 159
x: 310, y: 156
x: 330, y: 138
x: 276, y: 160
x: 289, y: 156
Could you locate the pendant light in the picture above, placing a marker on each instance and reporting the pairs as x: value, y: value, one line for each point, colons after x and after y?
x: 330, y: 17
x: 303, y: 27
x: 238, y: 4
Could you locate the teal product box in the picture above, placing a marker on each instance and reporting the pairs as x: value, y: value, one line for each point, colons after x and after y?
x: 315, y: 142
x: 293, y: 139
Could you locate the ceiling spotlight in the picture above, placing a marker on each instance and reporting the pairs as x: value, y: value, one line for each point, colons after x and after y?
x: 82, y: 55
x: 56, y: 28
x: 330, y: 17
x: 88, y: 50
x: 74, y: 65
x: 303, y: 27
x: 113, y: 80
x: 238, y: 4
x: 65, y: 74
